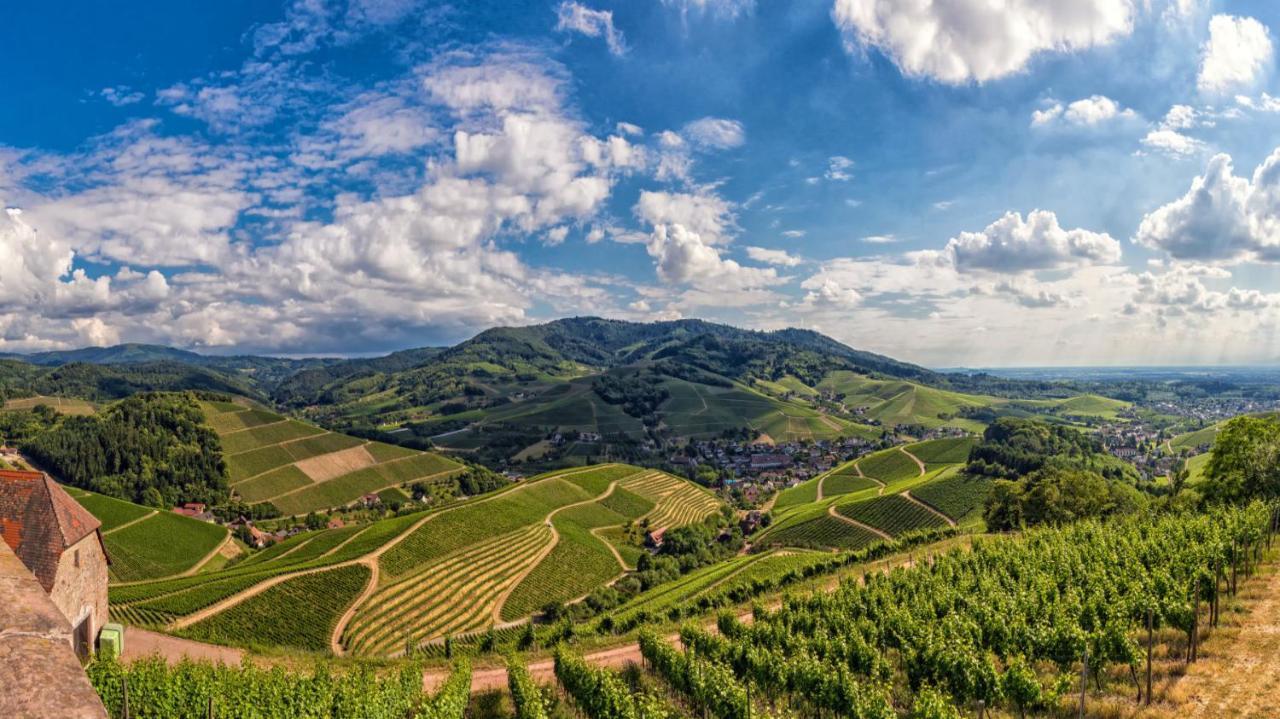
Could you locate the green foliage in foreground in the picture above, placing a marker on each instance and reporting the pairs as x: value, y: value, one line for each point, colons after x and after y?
x: 1046, y: 598
x: 1246, y: 460
x: 184, y: 691
x: 526, y: 695
x: 601, y: 694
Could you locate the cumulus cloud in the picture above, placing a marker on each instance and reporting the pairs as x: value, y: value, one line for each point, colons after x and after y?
x: 1236, y: 55
x: 715, y: 133
x: 683, y: 257
x: 121, y: 95
x: 703, y: 213
x: 1222, y: 217
x: 1087, y: 112
x: 574, y: 17
x: 957, y: 41
x: 773, y: 257
x: 1012, y: 244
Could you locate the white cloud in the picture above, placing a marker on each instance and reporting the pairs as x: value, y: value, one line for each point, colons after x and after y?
x: 838, y: 168
x: 683, y: 257
x: 772, y: 257
x: 121, y: 95
x: 574, y: 17
x: 714, y: 132
x: 1180, y: 117
x: 880, y: 239
x: 1236, y: 55
x: 1222, y: 217
x: 1172, y: 142
x: 957, y: 41
x: 627, y: 128
x: 1012, y: 244
x: 1089, y: 112
x: 794, y: 234
x: 704, y: 214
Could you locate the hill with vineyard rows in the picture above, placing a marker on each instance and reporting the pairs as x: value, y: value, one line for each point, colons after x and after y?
x: 409, y: 581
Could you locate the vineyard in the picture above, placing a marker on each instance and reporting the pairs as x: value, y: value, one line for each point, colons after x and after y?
x: 299, y: 467
x: 1018, y: 617
x: 846, y: 484
x: 956, y: 495
x: 501, y: 558
x: 299, y: 613
x: 894, y: 515
x: 935, y: 452
x: 146, y: 543
x: 888, y: 466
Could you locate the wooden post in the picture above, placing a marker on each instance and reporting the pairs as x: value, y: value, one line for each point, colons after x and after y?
x: 982, y: 708
x: 1192, y: 650
x: 210, y: 706
x: 125, y: 680
x: 1151, y: 631
x: 1084, y: 678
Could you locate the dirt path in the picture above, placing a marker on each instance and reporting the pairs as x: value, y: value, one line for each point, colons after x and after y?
x: 858, y: 468
x: 907, y: 496
x: 1239, y: 676
x: 335, y: 639
x: 140, y: 643
x: 832, y: 511
x: 915, y: 459
x: 195, y: 569
x: 701, y: 399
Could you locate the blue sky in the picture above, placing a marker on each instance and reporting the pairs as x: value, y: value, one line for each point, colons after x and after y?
x: 1054, y: 182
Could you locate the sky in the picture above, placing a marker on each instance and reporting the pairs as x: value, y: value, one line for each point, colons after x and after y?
x: 948, y: 182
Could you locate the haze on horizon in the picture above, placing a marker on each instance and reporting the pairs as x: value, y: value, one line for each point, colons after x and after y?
x: 1085, y: 183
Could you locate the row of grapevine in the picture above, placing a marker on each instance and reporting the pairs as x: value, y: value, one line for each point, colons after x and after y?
x: 152, y: 689
x: 601, y: 694
x: 710, y: 686
x: 526, y: 695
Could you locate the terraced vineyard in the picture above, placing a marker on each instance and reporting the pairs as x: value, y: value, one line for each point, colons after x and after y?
x: 846, y: 484
x: 936, y: 452
x: 955, y: 495
x: 299, y: 467
x: 678, y: 502
x: 821, y: 531
x: 894, y: 515
x: 314, y: 601
x: 890, y: 465
x: 453, y: 571
x: 146, y: 543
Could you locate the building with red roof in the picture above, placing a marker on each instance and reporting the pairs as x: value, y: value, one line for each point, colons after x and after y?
x: 60, y: 542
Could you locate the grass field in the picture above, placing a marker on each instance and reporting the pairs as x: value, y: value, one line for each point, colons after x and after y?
x: 895, y: 402
x: 146, y: 543
x: 952, y: 450
x: 846, y: 484
x: 802, y: 493
x: 64, y: 405
x: 301, y: 468
x: 1192, y: 440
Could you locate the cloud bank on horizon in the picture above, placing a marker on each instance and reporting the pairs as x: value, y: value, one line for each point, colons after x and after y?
x: 1048, y: 182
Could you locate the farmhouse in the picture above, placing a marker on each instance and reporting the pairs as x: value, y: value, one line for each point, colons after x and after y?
x: 61, y: 544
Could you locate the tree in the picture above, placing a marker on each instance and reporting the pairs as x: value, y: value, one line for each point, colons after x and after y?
x: 1245, y: 462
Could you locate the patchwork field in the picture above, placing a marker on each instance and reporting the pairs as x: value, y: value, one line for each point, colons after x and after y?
x: 877, y: 497
x: 62, y: 404
x: 300, y: 468
x: 896, y: 402
x: 146, y: 543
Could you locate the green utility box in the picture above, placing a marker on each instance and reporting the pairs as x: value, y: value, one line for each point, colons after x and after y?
x: 111, y: 640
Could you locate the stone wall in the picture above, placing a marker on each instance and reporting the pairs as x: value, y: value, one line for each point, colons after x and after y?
x: 40, y: 676
x: 81, y: 591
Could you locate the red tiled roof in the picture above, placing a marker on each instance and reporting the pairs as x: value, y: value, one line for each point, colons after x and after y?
x: 39, y: 520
